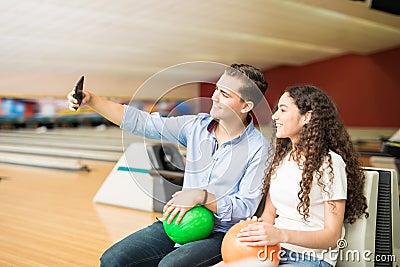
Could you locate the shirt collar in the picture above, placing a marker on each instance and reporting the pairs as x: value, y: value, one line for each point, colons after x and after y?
x: 250, y: 126
x: 211, y: 126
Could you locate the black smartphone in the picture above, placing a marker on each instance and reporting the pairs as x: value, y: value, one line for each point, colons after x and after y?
x: 78, y: 94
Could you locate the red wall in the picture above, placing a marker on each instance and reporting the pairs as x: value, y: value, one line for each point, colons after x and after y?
x: 366, y: 89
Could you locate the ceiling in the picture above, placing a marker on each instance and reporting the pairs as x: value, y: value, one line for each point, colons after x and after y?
x: 130, y: 40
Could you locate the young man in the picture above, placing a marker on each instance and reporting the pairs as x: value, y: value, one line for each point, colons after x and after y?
x: 225, y: 165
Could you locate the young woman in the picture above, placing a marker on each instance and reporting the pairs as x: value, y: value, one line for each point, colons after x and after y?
x: 314, y: 184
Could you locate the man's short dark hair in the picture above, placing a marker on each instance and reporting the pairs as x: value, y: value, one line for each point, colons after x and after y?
x: 255, y: 77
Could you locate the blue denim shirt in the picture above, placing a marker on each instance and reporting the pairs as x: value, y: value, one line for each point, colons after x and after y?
x: 233, y: 172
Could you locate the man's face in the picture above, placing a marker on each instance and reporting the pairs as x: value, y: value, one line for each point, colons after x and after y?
x: 227, y: 102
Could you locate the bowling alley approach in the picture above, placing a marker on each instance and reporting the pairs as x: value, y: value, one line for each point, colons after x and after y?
x: 200, y: 133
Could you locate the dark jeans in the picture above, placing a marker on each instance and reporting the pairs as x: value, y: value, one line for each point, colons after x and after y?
x: 152, y: 247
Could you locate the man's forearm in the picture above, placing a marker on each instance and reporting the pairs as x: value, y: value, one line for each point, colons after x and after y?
x: 112, y: 111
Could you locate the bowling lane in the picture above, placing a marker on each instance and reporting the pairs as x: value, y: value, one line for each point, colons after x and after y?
x: 62, y: 148
x: 48, y: 218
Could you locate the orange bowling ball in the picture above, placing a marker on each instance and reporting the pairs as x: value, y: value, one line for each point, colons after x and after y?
x: 233, y: 250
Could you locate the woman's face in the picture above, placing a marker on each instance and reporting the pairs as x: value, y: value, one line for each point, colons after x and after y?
x: 288, y: 120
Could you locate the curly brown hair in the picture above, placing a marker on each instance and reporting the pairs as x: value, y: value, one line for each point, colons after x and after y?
x: 323, y: 133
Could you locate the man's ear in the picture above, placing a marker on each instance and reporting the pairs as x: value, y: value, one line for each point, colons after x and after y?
x: 248, y: 106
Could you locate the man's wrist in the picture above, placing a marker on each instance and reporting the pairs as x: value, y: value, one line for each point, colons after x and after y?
x: 204, y: 202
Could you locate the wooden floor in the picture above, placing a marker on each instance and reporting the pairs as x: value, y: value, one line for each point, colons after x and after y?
x: 48, y: 218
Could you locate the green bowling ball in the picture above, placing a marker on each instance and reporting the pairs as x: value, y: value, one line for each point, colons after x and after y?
x: 196, y: 224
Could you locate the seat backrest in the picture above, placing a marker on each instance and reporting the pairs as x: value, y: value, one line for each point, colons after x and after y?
x: 360, y: 236
x: 378, y: 236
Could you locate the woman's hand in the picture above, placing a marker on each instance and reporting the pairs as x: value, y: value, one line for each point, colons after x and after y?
x: 260, y: 234
x: 180, y: 203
